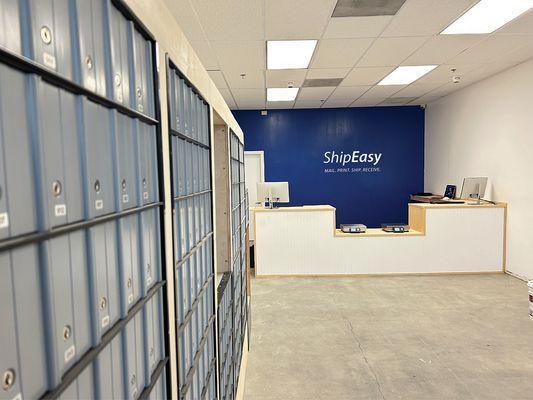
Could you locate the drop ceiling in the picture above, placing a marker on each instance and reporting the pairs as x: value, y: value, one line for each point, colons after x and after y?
x: 353, y: 53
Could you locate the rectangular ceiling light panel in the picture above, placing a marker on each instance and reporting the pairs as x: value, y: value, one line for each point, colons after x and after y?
x: 290, y: 54
x: 488, y: 16
x: 282, y: 94
x: 406, y: 75
x: 366, y: 8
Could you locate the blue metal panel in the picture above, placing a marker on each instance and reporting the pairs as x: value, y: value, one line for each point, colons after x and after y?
x: 23, y: 347
x: 143, y: 85
x: 17, y: 203
x: 49, y: 34
x: 97, y: 141
x: 146, y: 139
x: 82, y: 387
x: 58, y: 155
x: 105, y: 303
x: 121, y: 54
x: 10, y: 35
x: 67, y: 301
x: 129, y: 261
x: 150, y: 248
x: 126, y: 162
x: 109, y: 371
x: 90, y: 54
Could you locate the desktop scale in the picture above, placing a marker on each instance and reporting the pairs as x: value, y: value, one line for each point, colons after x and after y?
x: 353, y: 228
x: 395, y: 228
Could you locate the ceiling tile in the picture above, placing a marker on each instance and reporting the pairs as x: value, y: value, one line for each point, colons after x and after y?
x: 240, y: 55
x: 254, y: 79
x: 491, y: 49
x: 366, y: 76
x: 205, y: 53
x: 445, y: 90
x: 180, y: 7
x: 339, y: 53
x: 307, y: 103
x: 279, y: 105
x: 443, y: 73
x: 521, y: 25
x: 231, y: 19
x: 251, y: 105
x: 254, y: 96
x: 337, y: 103
x: 191, y: 27
x: 426, y: 17
x: 349, y: 92
x: 386, y: 52
x: 356, y: 27
x: 327, y: 73
x: 228, y: 98
x: 218, y: 79
x: 314, y: 93
x: 425, y: 100
x: 440, y: 49
x: 416, y: 90
x: 382, y: 92
x: 277, y: 78
x: 364, y: 103
x: 296, y: 19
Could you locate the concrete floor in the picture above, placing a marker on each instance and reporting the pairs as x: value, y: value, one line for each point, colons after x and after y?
x: 441, y: 337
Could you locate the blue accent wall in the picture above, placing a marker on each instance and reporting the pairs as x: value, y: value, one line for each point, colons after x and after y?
x: 295, y: 143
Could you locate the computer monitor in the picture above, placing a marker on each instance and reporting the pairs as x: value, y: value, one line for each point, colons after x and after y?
x: 273, y: 192
x: 474, y: 188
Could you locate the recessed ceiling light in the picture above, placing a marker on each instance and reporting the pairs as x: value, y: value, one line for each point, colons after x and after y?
x: 406, y: 75
x: 289, y: 54
x: 487, y: 16
x: 281, y: 94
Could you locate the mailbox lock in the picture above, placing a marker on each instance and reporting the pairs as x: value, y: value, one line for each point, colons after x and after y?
x: 8, y: 379
x: 67, y: 331
x: 89, y: 62
x: 123, y: 184
x: 103, y: 303
x: 144, y: 183
x: 139, y: 92
x: 46, y: 35
x: 129, y: 282
x: 117, y: 80
x: 97, y: 186
x: 56, y: 188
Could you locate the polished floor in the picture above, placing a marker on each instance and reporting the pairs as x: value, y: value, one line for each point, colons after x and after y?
x: 441, y: 337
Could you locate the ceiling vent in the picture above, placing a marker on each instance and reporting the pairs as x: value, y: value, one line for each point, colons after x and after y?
x: 330, y: 82
x: 366, y: 8
x: 399, y: 100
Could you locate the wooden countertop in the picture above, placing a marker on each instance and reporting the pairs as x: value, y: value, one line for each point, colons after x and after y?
x: 294, y: 209
x: 467, y: 204
x: 417, y: 217
x: 377, y: 232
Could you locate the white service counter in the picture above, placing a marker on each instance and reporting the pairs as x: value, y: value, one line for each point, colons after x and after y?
x: 444, y: 238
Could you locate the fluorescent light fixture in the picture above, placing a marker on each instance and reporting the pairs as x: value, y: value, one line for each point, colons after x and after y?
x: 289, y: 54
x: 406, y: 75
x: 487, y: 16
x: 281, y: 94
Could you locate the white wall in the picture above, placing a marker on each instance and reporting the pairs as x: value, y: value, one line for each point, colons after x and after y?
x: 486, y: 129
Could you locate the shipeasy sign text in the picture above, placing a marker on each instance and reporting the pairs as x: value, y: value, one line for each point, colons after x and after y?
x: 332, y: 157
